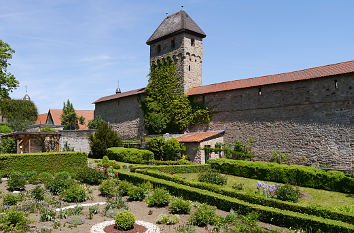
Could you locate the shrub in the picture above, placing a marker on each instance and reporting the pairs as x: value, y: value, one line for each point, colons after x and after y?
x: 108, y: 188
x: 75, y: 220
x: 93, y: 124
x: 43, y: 162
x: 279, y: 157
x: 34, y: 179
x: 105, y: 161
x: 16, y: 183
x: 104, y: 137
x: 125, y: 220
x: 212, y: 178
x: 93, y: 210
x: 288, y: 193
x: 204, y: 215
x: 238, y: 186
x: 47, y: 215
x: 116, y: 203
x: 14, y: 220
x: 75, y: 193
x: 136, y: 194
x: 174, y: 168
x: 180, y: 206
x: 186, y: 229
x: 44, y: 177
x: 129, y: 155
x: 59, y: 183
x: 177, y: 162
x: 124, y: 187
x: 90, y: 176
x: 8, y: 145
x: 160, y: 197
x: 5, y: 129
x: 38, y: 193
x: 167, y: 219
x: 147, y: 186
x: 112, y: 213
x: 47, y: 129
x: 77, y: 210
x: 10, y: 199
x: 292, y: 174
x: 165, y: 150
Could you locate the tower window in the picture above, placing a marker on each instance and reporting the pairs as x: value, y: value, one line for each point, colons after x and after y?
x: 158, y: 48
x: 189, y: 68
x: 335, y: 84
x: 173, y: 43
x: 259, y: 91
x: 192, y: 42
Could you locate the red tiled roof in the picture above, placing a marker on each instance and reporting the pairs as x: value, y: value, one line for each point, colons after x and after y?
x: 41, y: 118
x: 120, y: 95
x: 198, y: 136
x: 87, y: 114
x: 311, y: 73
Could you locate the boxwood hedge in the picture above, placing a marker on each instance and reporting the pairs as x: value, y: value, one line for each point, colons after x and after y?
x: 267, y: 214
x: 42, y: 162
x: 175, y: 168
x: 255, y: 199
x: 292, y: 174
x: 129, y: 155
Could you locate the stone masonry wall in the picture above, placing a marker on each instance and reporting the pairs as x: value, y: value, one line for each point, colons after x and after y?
x: 312, y: 119
x: 77, y: 139
x: 124, y: 114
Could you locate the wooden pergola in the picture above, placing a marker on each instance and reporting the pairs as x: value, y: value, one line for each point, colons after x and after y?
x: 28, y: 142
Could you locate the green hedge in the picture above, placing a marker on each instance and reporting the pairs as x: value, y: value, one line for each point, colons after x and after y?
x: 177, y: 162
x: 266, y: 214
x: 129, y: 155
x: 42, y: 162
x: 255, y: 199
x: 292, y: 174
x: 175, y: 168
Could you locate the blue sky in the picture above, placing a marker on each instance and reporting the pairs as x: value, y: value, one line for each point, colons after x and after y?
x: 77, y: 50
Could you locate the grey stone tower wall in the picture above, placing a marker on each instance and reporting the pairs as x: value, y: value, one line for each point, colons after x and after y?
x: 188, y: 58
x: 125, y: 115
x: 311, y: 119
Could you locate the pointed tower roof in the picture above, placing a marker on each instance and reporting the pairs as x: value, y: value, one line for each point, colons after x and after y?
x: 174, y: 24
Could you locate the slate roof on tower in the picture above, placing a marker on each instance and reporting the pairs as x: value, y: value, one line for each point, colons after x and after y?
x: 176, y: 23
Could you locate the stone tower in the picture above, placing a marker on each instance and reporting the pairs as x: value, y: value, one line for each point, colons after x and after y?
x: 181, y: 38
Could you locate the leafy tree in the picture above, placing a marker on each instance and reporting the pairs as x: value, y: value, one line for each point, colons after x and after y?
x: 82, y: 120
x: 69, y: 118
x: 8, y: 81
x: 166, y: 107
x: 165, y: 150
x: 4, y: 128
x: 104, y: 137
x: 8, y: 145
x: 93, y: 124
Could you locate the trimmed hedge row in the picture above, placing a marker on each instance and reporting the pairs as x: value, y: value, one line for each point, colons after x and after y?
x: 174, y: 168
x: 178, y: 162
x: 266, y: 214
x: 42, y: 162
x: 312, y: 210
x: 129, y: 155
x: 292, y: 174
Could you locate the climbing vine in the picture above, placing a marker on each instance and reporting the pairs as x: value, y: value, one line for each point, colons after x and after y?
x: 166, y: 108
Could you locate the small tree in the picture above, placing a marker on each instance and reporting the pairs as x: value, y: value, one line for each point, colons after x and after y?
x: 8, y: 81
x: 105, y: 137
x: 95, y: 122
x: 165, y: 150
x: 69, y: 118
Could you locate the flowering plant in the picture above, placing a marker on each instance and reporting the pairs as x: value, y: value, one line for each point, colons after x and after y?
x: 267, y: 190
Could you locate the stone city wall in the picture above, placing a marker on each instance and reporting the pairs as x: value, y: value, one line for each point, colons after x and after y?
x: 313, y: 120
x: 76, y: 139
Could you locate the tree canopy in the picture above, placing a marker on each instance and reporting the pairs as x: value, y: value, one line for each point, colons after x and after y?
x: 166, y: 107
x: 8, y: 81
x: 69, y: 118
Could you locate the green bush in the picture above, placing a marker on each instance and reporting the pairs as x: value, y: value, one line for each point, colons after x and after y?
x: 75, y: 220
x: 19, y: 110
x: 136, y: 194
x: 124, y: 187
x: 75, y: 193
x: 256, y: 199
x: 10, y: 199
x: 8, y: 145
x: 270, y: 215
x: 175, y: 168
x: 14, y: 221
x: 291, y: 174
x: 288, y: 193
x: 129, y: 155
x: 180, y: 206
x: 38, y: 193
x: 90, y: 176
x: 116, y: 203
x: 165, y: 150
x: 177, y: 162
x: 104, y: 137
x: 160, y: 197
x: 112, y: 213
x: 108, y: 188
x: 125, y: 220
x: 42, y: 162
x: 59, y: 183
x: 204, y: 215
x: 47, y: 215
x: 16, y: 183
x: 105, y: 161
x: 5, y: 129
x: 212, y: 178
x: 44, y: 177
x: 47, y: 129
x: 167, y: 219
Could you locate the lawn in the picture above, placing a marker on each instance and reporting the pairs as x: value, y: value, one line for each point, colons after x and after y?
x: 334, y: 200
